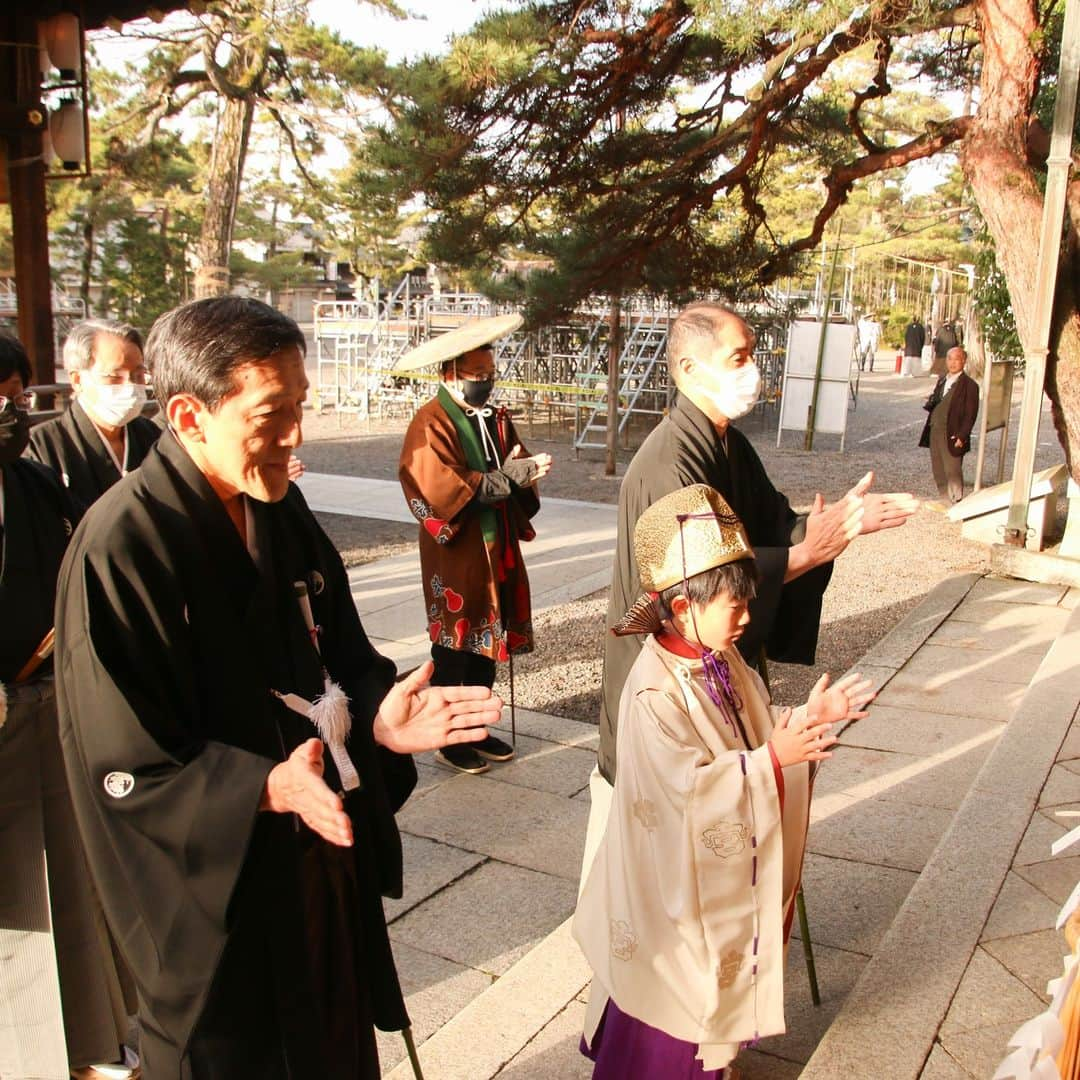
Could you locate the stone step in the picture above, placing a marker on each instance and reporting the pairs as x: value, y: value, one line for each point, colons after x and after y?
x: 890, y: 1022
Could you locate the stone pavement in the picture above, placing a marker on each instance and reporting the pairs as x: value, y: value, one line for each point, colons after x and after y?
x: 496, y: 986
x: 570, y: 558
x: 929, y: 886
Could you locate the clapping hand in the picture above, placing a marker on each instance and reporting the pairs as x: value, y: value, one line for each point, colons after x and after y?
x: 414, y: 716
x: 846, y: 700
x: 882, y: 511
x: 296, y: 786
x: 808, y: 742
x: 829, y: 529
x: 541, y: 461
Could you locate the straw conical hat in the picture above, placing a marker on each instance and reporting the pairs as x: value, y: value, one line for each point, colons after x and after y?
x: 468, y: 336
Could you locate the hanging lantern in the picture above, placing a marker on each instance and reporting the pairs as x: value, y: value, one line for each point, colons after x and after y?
x: 64, y: 43
x: 67, y: 134
x: 44, y: 63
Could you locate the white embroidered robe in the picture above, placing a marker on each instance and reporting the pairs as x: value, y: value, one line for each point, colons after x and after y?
x: 682, y: 914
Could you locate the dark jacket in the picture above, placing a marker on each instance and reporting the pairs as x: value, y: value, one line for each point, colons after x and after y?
x: 71, y: 446
x: 684, y: 448
x: 914, y: 339
x: 963, y: 409
x: 944, y: 340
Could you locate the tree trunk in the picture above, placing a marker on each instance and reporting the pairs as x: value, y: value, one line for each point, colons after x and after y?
x: 994, y: 159
x: 87, y: 259
x: 222, y: 192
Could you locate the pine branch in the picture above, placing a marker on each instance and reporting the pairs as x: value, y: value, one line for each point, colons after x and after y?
x: 841, y: 179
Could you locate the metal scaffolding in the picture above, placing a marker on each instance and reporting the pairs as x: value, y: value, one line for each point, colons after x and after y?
x: 555, y: 375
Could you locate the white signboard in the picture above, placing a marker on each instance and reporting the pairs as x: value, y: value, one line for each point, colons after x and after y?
x: 830, y: 417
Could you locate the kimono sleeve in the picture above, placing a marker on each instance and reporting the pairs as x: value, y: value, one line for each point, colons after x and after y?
x: 526, y: 500
x: 364, y: 673
x: 785, y: 617
x: 167, y: 811
x: 437, y: 482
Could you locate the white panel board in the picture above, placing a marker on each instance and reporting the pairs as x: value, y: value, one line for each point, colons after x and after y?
x: 831, y: 416
x: 803, y: 349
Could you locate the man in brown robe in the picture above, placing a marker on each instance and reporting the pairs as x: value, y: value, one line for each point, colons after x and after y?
x: 472, y: 487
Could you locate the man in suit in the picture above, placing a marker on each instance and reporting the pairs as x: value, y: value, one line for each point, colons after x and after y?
x: 953, y: 406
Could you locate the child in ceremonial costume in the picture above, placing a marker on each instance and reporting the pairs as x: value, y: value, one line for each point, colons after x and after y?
x: 687, y: 907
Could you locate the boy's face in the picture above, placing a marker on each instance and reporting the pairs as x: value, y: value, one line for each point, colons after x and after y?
x: 719, y: 624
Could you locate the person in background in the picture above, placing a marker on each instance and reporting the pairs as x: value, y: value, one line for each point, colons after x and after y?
x: 63, y: 1011
x: 914, y: 340
x: 944, y: 340
x: 103, y: 435
x: 472, y: 487
x: 868, y: 330
x: 953, y: 405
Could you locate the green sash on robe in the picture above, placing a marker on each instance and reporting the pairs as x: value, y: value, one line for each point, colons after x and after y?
x: 474, y: 453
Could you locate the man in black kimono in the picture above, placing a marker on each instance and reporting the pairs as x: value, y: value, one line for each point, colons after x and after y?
x: 63, y: 1006
x: 201, y: 610
x: 711, y: 359
x: 103, y: 434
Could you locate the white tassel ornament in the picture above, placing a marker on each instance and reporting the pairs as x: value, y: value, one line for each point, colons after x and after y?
x: 330, y: 715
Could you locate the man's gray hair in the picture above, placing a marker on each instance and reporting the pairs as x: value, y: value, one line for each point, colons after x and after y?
x: 696, y: 325
x: 79, y: 346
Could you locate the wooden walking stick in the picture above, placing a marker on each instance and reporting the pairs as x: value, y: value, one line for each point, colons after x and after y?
x: 513, y: 714
x: 800, y: 902
x: 414, y: 1058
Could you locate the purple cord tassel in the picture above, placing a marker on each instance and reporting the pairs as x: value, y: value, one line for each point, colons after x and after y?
x: 718, y: 686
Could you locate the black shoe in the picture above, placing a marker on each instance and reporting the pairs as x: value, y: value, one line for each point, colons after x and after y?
x: 493, y: 749
x: 463, y: 758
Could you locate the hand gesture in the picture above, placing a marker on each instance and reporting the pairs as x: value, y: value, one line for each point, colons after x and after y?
x: 808, y: 742
x: 829, y: 529
x: 541, y: 461
x: 887, y: 511
x: 296, y: 786
x: 844, y: 701
x: 296, y: 468
x: 414, y: 716
x: 862, y: 486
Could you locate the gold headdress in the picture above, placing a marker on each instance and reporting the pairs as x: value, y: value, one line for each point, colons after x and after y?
x: 683, y: 534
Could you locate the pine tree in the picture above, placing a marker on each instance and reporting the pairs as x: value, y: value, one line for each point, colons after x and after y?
x: 635, y: 142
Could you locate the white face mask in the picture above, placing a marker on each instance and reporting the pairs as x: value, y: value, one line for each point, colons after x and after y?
x: 735, y: 392
x: 116, y: 405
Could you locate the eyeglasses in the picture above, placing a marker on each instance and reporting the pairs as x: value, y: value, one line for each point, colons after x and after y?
x: 22, y: 402
x: 142, y: 378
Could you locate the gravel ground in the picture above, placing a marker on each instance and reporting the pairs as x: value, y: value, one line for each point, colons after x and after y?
x: 875, y: 582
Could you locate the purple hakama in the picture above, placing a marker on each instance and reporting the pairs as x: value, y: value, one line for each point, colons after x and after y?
x: 628, y: 1049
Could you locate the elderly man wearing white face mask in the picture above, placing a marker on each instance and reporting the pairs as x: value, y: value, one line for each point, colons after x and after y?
x: 711, y: 359
x: 103, y: 436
